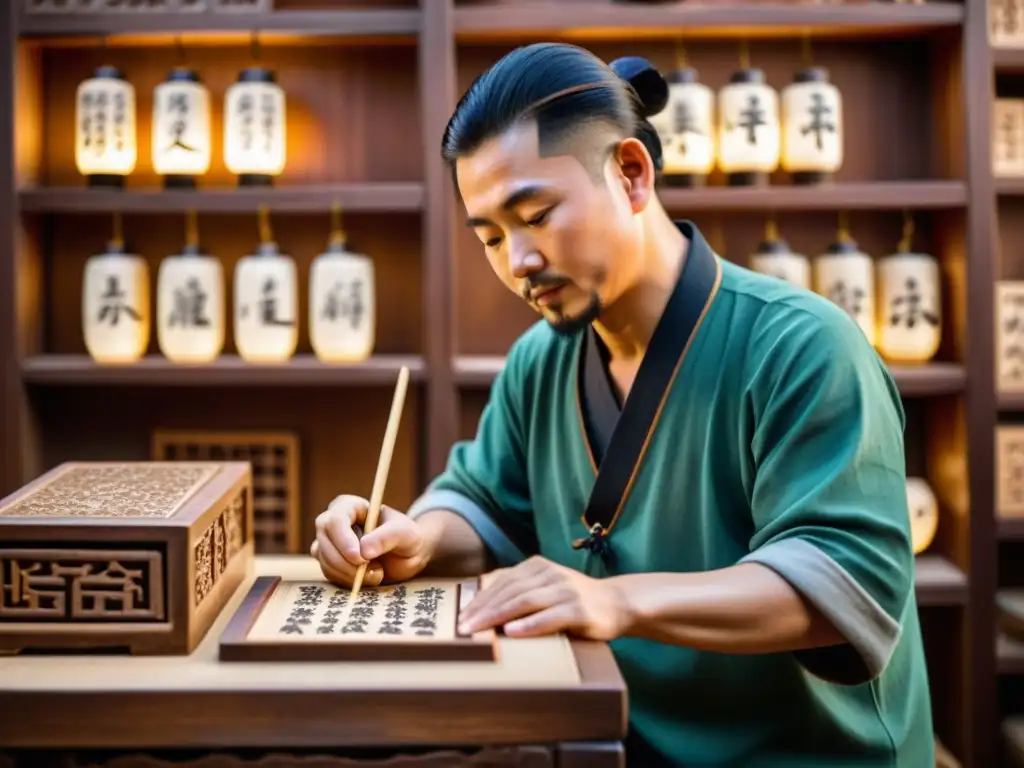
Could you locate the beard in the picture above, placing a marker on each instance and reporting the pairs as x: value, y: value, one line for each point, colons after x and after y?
x: 566, y: 325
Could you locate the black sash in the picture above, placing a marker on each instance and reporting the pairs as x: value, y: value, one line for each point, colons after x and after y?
x: 618, y: 438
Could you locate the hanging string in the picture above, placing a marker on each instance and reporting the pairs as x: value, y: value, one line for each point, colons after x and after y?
x: 117, y: 241
x: 744, y: 55
x: 805, y: 51
x: 843, y: 228
x: 191, y: 229
x: 180, y: 47
x: 680, y: 55
x: 718, y: 235
x: 908, y: 233
x: 254, y: 45
x: 771, y: 229
x: 266, y: 234
x: 337, y: 233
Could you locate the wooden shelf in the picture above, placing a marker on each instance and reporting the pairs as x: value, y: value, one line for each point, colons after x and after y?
x: 342, y: 22
x: 1010, y: 401
x: 875, y: 195
x: 617, y: 20
x: 1009, y: 185
x: 1008, y: 60
x: 1009, y: 655
x: 939, y: 582
x: 228, y: 370
x: 373, y: 196
x: 913, y: 381
x: 1009, y: 528
x: 1012, y: 733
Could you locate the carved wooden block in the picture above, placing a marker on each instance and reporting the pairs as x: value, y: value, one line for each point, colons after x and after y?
x: 137, y: 556
x: 1006, y: 23
x: 1009, y: 333
x: 1008, y: 137
x: 1010, y: 471
x: 274, y: 457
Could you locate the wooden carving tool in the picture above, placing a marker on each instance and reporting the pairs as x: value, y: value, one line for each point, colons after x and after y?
x: 383, y: 466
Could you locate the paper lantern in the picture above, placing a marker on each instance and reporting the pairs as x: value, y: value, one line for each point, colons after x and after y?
x: 909, y: 322
x: 266, y: 302
x: 748, y: 128
x: 116, y: 305
x: 105, y: 141
x: 342, y: 304
x: 924, y: 514
x: 686, y: 129
x: 773, y: 257
x: 190, y: 306
x: 812, y: 127
x: 845, y: 275
x: 254, y: 127
x: 181, y: 128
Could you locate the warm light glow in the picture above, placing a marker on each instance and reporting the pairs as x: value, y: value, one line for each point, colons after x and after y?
x: 845, y: 275
x: 254, y: 127
x: 924, y: 513
x: 266, y: 300
x: 181, y: 127
x: 686, y: 127
x: 748, y: 127
x: 190, y: 307
x: 909, y: 322
x: 105, y: 141
x: 773, y: 257
x: 116, y: 306
x: 342, y: 305
x: 812, y: 127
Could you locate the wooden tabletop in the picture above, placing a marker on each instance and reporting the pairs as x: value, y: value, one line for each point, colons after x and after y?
x: 541, y: 690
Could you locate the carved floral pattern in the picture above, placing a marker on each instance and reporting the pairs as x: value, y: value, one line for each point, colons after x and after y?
x: 217, y: 546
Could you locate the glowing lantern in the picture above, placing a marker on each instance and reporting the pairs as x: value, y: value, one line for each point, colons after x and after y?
x: 773, y: 257
x: 748, y: 128
x: 845, y: 275
x: 812, y: 127
x: 924, y: 513
x: 181, y: 128
x: 254, y: 127
x: 686, y: 129
x: 105, y: 142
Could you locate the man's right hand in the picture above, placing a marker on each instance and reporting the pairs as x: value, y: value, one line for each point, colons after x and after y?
x: 396, y: 550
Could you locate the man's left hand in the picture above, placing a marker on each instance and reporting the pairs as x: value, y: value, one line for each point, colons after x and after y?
x: 539, y: 597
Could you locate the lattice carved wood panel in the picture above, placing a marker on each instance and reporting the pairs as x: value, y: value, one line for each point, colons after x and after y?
x: 1010, y: 471
x: 274, y: 457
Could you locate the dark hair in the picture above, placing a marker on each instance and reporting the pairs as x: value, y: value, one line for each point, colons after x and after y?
x: 561, y: 86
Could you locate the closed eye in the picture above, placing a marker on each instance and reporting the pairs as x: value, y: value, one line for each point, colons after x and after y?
x: 539, y: 219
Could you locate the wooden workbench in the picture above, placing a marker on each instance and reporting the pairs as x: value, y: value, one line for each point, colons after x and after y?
x: 547, y: 702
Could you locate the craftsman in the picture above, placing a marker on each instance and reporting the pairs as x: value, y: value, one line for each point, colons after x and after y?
x: 702, y: 465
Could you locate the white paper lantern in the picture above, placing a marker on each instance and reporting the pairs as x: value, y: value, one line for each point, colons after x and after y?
x: 181, y: 128
x: 686, y: 129
x: 342, y: 305
x: 909, y: 326
x: 105, y: 141
x: 773, y: 257
x: 116, y: 306
x: 748, y: 128
x: 845, y: 275
x: 266, y: 299
x: 190, y: 307
x: 924, y: 513
x: 812, y: 127
x: 254, y: 127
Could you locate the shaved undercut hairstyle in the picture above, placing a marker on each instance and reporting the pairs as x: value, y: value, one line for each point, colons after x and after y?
x: 582, y: 105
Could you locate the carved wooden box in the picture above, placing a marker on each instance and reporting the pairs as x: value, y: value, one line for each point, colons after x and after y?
x: 123, y: 556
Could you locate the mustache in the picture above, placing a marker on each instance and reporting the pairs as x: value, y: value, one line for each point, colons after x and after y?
x: 535, y: 282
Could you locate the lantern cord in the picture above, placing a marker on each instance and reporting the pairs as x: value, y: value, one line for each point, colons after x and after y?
x: 180, y: 46
x: 266, y: 234
x: 843, y: 229
x: 744, y: 55
x: 255, y: 45
x: 908, y: 233
x: 118, y: 238
x: 680, y: 55
x: 337, y: 233
x: 806, y: 50
x: 771, y: 230
x: 191, y: 229
x: 718, y: 235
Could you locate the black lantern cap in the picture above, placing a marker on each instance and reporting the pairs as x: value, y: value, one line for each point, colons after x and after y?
x: 772, y: 247
x: 682, y: 75
x: 811, y: 75
x: 748, y: 75
x: 182, y: 75
x: 108, y: 72
x: 844, y: 246
x: 256, y: 75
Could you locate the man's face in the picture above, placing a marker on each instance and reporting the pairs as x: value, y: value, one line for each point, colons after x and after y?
x: 562, y: 237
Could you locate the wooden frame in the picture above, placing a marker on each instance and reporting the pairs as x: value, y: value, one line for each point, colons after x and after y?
x: 236, y: 645
x: 447, y: 319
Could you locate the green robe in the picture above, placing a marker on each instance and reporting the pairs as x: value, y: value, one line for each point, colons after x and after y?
x: 762, y: 427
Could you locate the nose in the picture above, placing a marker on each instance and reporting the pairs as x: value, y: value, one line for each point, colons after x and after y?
x: 524, y: 258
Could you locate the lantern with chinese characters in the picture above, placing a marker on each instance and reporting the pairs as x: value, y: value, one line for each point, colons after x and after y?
x: 748, y: 128
x: 105, y: 142
x: 254, y: 127
x: 181, y: 128
x: 266, y: 299
x: 845, y: 275
x: 924, y: 513
x: 686, y: 129
x: 190, y: 303
x: 773, y: 257
x: 909, y: 319
x: 115, y: 304
x: 342, y: 306
x: 812, y: 127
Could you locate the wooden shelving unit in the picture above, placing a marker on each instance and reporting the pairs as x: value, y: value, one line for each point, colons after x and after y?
x: 370, y: 87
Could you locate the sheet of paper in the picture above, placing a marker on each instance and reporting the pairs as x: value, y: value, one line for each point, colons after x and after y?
x: 419, y: 610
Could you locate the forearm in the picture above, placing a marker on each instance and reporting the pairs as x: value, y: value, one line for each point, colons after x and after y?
x: 747, y: 608
x: 455, y: 549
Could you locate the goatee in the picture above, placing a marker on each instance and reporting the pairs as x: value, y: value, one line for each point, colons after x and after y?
x: 568, y: 325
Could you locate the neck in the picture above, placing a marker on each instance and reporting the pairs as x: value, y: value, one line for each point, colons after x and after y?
x: 626, y: 326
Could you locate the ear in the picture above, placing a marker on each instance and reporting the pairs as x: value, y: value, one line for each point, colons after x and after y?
x: 636, y: 172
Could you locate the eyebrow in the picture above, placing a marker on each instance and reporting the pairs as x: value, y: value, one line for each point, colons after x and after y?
x: 517, y: 197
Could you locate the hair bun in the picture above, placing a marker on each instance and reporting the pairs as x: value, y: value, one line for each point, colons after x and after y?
x: 647, y: 81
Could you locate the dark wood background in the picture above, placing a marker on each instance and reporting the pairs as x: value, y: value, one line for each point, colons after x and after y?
x: 370, y: 85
